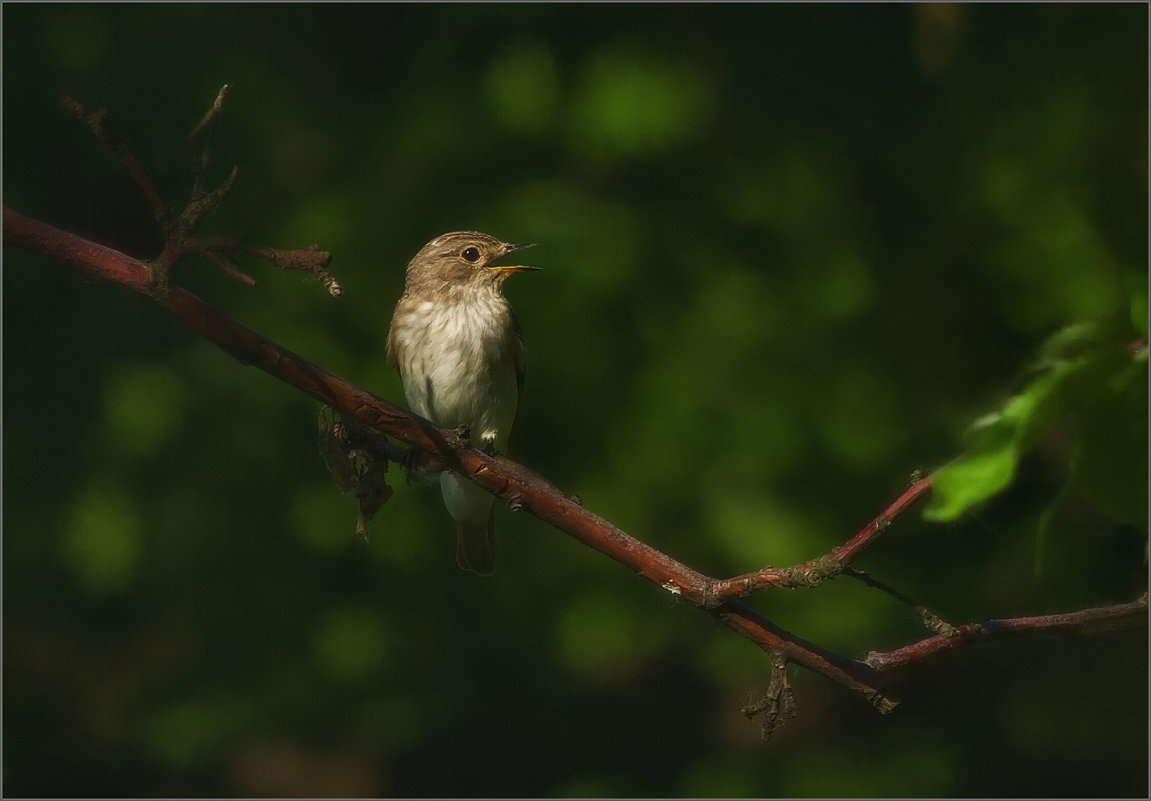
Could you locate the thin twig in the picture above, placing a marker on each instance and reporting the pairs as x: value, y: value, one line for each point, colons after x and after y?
x: 310, y: 259
x: 204, y: 159
x: 98, y: 122
x: 210, y: 115
x: 816, y: 571
x: 1085, y: 621
x: 359, y: 454
x: 931, y: 621
x: 515, y: 484
x: 230, y: 269
x: 524, y: 489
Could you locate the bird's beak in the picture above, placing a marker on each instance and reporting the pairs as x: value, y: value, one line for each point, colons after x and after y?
x: 514, y: 268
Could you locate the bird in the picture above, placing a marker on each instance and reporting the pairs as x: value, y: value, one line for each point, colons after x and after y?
x: 458, y: 347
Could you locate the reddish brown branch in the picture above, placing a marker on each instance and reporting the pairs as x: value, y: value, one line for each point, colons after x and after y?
x: 1085, y: 621
x: 358, y: 456
x: 94, y: 260
x: 518, y: 486
x: 848, y: 672
x: 814, y: 572
x: 178, y: 228
x: 850, y: 549
x: 523, y: 489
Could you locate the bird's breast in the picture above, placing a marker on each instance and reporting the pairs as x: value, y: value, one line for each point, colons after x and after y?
x: 457, y: 363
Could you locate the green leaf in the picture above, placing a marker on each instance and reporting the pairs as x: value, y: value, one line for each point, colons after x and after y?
x: 1077, y: 366
x: 979, y: 475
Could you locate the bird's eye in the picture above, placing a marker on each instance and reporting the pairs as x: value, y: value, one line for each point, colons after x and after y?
x: 471, y: 254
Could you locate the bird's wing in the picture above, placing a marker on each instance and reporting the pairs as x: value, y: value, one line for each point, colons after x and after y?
x: 393, y: 356
x: 519, y: 352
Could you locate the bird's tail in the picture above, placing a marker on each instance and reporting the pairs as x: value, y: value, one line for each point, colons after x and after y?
x: 476, y: 546
x: 474, y: 512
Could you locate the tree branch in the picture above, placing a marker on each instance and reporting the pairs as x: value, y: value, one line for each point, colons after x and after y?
x: 1085, y: 621
x: 516, y: 485
x: 365, y: 418
x: 97, y: 121
x: 523, y: 489
x: 816, y: 571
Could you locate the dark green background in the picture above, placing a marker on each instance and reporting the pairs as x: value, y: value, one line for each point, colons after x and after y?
x: 789, y: 254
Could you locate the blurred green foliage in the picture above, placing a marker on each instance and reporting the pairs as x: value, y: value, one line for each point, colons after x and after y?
x: 1084, y: 373
x: 790, y: 252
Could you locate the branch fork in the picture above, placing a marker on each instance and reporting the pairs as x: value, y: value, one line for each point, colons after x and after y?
x: 356, y: 444
x: 179, y: 228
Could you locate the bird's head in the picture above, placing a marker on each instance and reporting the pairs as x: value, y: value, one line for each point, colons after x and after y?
x: 464, y: 258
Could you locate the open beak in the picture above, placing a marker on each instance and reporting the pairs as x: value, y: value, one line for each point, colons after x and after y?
x: 514, y: 268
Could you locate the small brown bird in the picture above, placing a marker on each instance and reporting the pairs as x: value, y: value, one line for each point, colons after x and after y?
x: 458, y: 348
